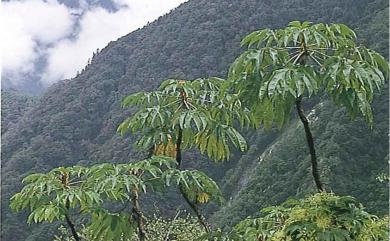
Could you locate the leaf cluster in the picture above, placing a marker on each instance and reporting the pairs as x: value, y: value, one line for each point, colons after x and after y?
x: 282, y: 65
x: 195, y: 108
x: 322, y: 216
x: 51, y: 196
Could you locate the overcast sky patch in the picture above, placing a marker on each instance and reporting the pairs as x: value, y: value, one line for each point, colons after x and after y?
x: 67, y: 37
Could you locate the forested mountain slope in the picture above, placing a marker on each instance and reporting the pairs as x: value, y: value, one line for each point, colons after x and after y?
x: 75, y: 121
x: 13, y: 107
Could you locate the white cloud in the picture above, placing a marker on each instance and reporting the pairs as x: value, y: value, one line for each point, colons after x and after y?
x: 98, y: 27
x: 32, y: 29
x: 25, y: 26
x: 17, y: 48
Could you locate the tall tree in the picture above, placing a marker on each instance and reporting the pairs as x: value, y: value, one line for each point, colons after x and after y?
x: 282, y: 67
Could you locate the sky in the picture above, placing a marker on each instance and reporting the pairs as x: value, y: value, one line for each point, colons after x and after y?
x: 48, y: 39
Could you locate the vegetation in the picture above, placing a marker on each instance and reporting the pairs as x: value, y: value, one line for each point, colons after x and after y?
x: 187, y: 114
x: 63, y: 191
x: 283, y: 66
x: 182, y: 114
x: 181, y: 227
x: 13, y: 106
x: 74, y: 122
x: 322, y: 217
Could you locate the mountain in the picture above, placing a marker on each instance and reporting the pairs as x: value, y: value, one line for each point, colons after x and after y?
x: 13, y: 106
x: 75, y: 120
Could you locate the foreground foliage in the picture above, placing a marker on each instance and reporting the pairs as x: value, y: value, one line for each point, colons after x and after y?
x: 187, y: 114
x: 59, y: 193
x: 283, y: 65
x: 181, y: 227
x: 323, y: 217
x: 181, y: 115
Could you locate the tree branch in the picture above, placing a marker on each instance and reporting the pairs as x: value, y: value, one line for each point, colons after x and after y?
x: 201, y: 218
x: 310, y: 143
x: 139, y: 217
x: 72, y: 228
x: 178, y: 147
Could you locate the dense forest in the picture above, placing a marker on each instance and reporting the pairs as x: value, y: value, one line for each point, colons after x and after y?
x: 74, y: 122
x: 13, y: 106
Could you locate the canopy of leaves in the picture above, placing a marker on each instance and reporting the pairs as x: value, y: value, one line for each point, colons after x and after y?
x: 49, y: 196
x: 52, y: 196
x: 283, y: 65
x: 196, y: 109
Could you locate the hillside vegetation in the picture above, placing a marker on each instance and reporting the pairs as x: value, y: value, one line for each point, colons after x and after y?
x: 13, y: 106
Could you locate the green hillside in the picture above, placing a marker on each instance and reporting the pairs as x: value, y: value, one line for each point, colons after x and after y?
x: 13, y: 106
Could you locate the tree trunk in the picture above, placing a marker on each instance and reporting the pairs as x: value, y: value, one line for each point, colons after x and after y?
x: 178, y: 147
x: 72, y: 228
x: 139, y: 217
x: 201, y: 218
x: 310, y: 143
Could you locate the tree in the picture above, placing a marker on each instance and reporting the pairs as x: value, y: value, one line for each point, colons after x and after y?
x: 184, y: 114
x: 281, y: 67
x: 52, y: 196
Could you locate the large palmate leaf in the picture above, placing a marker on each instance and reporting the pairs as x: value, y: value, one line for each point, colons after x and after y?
x: 61, y: 186
x: 51, y: 196
x: 118, y: 181
x: 111, y: 226
x: 300, y: 60
x: 197, y: 186
x: 195, y: 109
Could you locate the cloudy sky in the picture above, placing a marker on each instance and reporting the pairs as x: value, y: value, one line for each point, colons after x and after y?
x: 60, y: 38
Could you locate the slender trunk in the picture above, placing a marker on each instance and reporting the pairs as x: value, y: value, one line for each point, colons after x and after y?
x: 178, y: 147
x: 68, y: 221
x: 139, y: 217
x: 150, y: 152
x: 310, y: 143
x: 201, y: 218
x: 72, y: 228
